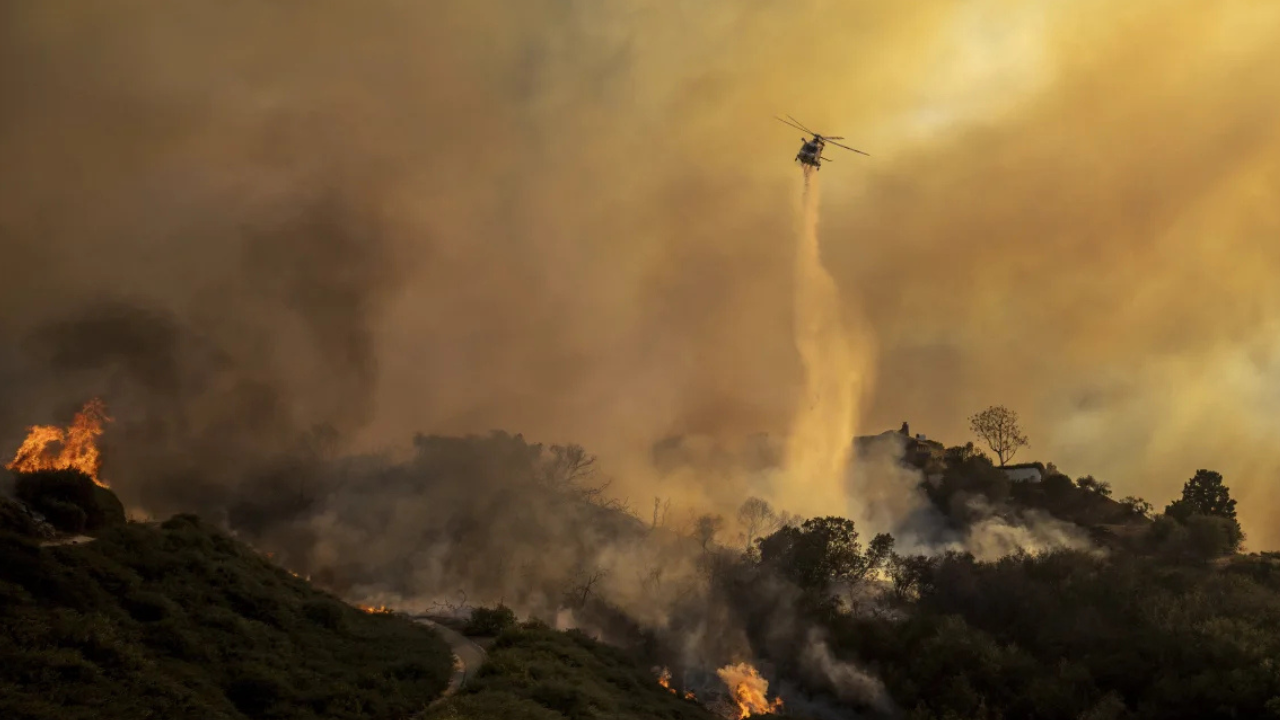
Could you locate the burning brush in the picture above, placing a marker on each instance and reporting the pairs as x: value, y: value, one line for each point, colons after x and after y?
x: 79, y: 445
x: 664, y: 679
x: 747, y: 692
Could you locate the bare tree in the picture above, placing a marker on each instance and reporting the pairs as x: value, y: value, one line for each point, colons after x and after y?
x: 660, y: 513
x: 706, y: 528
x: 757, y: 519
x: 581, y: 586
x: 567, y: 465
x: 788, y: 519
x: 446, y: 607
x: 651, y: 582
x: 571, y: 471
x: 997, y: 426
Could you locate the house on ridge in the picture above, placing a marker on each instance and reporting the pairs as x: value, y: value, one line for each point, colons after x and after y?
x: 1025, y: 472
x: 916, y: 451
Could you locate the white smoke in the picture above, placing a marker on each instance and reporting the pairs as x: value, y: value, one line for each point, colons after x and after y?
x: 851, y: 683
x: 836, y: 370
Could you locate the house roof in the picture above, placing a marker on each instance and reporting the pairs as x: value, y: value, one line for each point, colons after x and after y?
x: 1025, y: 466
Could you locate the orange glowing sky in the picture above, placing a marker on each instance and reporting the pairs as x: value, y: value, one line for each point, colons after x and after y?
x: 1069, y: 208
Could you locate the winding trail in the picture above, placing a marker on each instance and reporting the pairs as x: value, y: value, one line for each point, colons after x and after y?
x: 72, y: 540
x: 468, y: 656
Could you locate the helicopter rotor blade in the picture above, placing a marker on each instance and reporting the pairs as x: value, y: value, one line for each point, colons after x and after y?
x: 802, y: 127
x: 798, y: 127
x: 846, y: 147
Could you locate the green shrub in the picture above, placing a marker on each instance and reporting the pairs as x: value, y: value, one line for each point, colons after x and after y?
x: 182, y: 621
x: 542, y: 674
x: 65, y: 516
x: 146, y: 607
x: 490, y: 621
x: 15, y: 520
x: 257, y: 690
x: 105, y: 510
x: 70, y: 499
x: 327, y: 614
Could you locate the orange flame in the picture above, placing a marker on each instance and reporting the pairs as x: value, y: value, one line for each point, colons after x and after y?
x: 664, y: 679
x: 749, y: 691
x: 383, y: 609
x: 79, y: 445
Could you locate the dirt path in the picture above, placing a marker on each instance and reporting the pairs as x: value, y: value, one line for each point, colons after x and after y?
x: 468, y: 656
x: 73, y: 540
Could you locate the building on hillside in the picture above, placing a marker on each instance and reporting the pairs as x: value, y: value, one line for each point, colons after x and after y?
x: 916, y: 451
x: 1025, y: 472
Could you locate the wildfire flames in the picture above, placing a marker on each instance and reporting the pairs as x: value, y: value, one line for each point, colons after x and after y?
x: 748, y: 690
x: 664, y: 679
x: 372, y: 609
x: 79, y: 444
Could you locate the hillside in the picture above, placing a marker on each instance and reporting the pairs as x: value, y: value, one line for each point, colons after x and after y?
x: 535, y: 673
x: 179, y: 620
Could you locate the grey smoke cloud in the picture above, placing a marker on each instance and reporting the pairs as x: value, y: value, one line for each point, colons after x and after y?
x: 574, y: 222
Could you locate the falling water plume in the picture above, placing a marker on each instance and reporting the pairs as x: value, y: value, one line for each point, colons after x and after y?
x: 823, y: 426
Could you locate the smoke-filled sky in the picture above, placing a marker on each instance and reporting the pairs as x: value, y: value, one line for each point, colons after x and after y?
x: 574, y: 219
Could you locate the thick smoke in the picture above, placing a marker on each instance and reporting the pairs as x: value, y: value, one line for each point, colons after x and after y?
x: 280, y: 240
x: 1066, y: 210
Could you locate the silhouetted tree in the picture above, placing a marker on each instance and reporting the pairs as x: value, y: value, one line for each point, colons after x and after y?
x: 1204, y: 494
x: 909, y: 574
x: 705, y: 529
x: 580, y: 586
x: 1137, y: 506
x: 659, y: 513
x: 823, y: 551
x: 997, y: 426
x: 968, y: 475
x: 1093, y: 485
x: 1208, y: 512
x: 757, y: 519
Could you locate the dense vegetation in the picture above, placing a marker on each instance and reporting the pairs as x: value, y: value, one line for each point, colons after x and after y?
x: 180, y: 620
x: 1069, y: 635
x: 1166, y: 622
x: 69, y: 501
x: 535, y: 673
x: 1161, y: 616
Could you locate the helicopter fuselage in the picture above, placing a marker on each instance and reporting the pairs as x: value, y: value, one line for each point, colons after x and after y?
x: 811, y: 148
x: 811, y: 152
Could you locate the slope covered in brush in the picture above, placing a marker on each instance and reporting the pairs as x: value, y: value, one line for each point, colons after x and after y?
x: 182, y: 621
x: 535, y: 673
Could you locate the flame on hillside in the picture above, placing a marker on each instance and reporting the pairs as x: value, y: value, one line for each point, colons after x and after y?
x: 748, y: 690
x: 664, y: 679
x: 378, y: 609
x: 79, y: 445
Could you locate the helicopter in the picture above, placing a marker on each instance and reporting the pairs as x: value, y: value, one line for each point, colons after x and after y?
x: 811, y: 152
